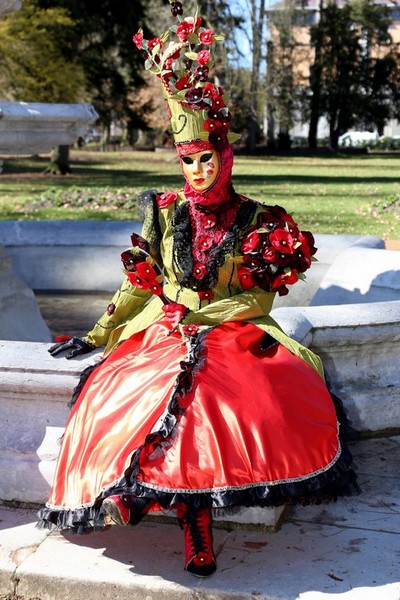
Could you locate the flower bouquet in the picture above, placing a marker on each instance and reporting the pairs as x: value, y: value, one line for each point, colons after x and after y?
x: 275, y: 252
x: 141, y: 269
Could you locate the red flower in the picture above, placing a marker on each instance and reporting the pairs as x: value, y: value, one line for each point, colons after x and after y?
x: 154, y: 42
x: 206, y: 294
x: 250, y: 242
x: 199, y: 270
x: 307, y: 241
x: 183, y: 30
x: 191, y: 329
x: 204, y: 243
x: 138, y: 240
x: 246, y: 278
x: 211, y: 124
x: 208, y: 220
x: 206, y: 37
x: 269, y: 254
x: 218, y: 102
x: 138, y: 40
x: 146, y: 272
x: 203, y: 57
x: 155, y: 288
x: 164, y: 200
x: 182, y: 83
x: 283, y: 280
x: 137, y: 281
x: 209, y: 91
x: 283, y: 241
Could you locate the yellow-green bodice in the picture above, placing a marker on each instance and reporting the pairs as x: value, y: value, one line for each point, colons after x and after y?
x: 134, y: 309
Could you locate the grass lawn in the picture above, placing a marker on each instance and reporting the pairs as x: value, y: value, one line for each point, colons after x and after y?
x: 348, y: 194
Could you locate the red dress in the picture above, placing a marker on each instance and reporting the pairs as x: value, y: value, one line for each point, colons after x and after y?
x: 230, y: 417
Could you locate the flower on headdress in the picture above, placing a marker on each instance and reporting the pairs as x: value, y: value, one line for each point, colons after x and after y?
x: 176, y: 8
x: 138, y: 40
x: 194, y: 98
x: 154, y: 42
x: 182, y: 83
x: 201, y: 73
x: 183, y: 30
x: 203, y: 57
x: 211, y: 124
x: 218, y: 138
x: 206, y: 37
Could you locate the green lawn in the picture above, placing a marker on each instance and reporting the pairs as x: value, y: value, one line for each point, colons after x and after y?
x: 349, y: 194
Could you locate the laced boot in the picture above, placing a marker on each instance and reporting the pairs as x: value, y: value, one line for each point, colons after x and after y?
x: 118, y: 508
x: 199, y: 553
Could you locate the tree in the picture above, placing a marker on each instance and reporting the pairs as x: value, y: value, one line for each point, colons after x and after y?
x: 353, y: 78
x: 36, y: 56
x: 102, y: 42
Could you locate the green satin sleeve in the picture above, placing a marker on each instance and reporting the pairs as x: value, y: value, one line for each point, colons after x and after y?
x: 127, y: 302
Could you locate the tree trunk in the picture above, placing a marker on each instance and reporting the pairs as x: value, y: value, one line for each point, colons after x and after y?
x: 257, y: 17
x: 59, y: 161
x: 315, y: 84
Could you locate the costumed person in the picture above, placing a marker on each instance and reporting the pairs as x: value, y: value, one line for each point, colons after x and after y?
x: 200, y: 402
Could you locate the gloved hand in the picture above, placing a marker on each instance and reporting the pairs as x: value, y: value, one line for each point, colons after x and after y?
x: 75, y: 345
x: 175, y: 312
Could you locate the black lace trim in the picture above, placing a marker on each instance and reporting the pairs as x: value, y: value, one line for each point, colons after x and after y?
x: 338, y: 480
x: 183, y: 239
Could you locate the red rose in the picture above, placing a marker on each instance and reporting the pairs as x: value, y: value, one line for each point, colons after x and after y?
x: 204, y: 243
x: 269, y: 254
x: 211, y: 124
x: 203, y: 57
x: 283, y: 241
x: 205, y: 294
x: 199, y: 271
x: 209, y: 91
x: 183, y: 30
x: 206, y: 37
x: 138, y: 40
x: 155, y: 288
x: 191, y: 329
x: 154, y: 42
x: 208, y: 220
x: 307, y: 241
x: 164, y: 200
x: 137, y: 281
x: 146, y: 272
x: 245, y: 278
x: 283, y: 280
x: 182, y: 83
x: 250, y: 242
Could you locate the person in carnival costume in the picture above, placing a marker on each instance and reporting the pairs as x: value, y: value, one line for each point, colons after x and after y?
x: 200, y: 402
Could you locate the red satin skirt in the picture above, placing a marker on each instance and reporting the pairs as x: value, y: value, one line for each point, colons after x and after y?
x: 247, y: 418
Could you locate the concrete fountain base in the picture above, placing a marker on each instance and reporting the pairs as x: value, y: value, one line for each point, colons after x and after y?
x: 359, y: 342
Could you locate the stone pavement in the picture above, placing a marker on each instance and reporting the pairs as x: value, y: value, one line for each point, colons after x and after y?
x: 344, y: 551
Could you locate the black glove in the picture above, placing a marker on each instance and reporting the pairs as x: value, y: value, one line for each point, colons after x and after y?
x: 76, y: 345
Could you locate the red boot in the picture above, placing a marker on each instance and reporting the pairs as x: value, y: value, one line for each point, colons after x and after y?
x: 199, y: 553
x: 118, y: 508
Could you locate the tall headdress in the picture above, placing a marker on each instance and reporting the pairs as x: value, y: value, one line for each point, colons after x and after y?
x: 182, y: 58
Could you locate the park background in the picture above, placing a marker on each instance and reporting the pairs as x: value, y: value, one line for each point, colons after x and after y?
x: 299, y: 75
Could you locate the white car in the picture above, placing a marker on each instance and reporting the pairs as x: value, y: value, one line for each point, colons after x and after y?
x: 357, y: 138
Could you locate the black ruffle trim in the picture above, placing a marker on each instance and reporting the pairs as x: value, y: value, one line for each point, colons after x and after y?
x: 182, y: 244
x: 338, y: 480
